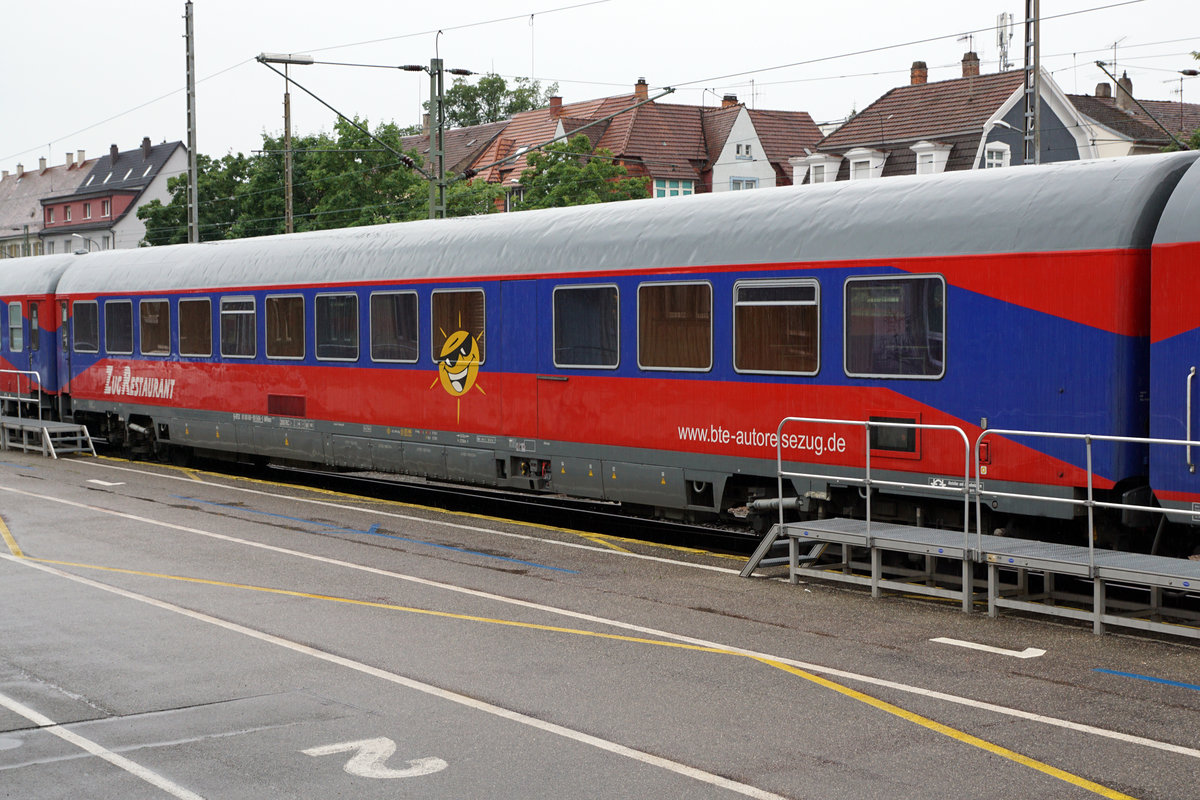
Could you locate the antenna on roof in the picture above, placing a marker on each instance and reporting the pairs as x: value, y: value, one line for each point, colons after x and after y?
x: 969, y: 38
x: 1004, y: 36
x: 1114, y: 47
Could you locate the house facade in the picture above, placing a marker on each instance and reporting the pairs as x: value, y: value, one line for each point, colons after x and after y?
x: 100, y: 213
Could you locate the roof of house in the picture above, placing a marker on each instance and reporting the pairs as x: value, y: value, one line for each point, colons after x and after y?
x: 661, y: 140
x: 20, y: 197
x: 926, y: 110
x: 462, y: 145
x: 130, y: 170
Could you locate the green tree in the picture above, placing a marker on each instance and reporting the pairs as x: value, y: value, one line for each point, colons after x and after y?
x: 491, y: 99
x: 217, y: 185
x: 570, y: 174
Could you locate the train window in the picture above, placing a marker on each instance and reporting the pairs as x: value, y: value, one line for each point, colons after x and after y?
x: 195, y: 328
x: 238, y: 323
x: 118, y: 326
x: 454, y: 312
x: 285, y: 327
x: 337, y: 327
x: 675, y: 326
x: 85, y: 327
x: 16, y: 336
x: 394, y: 326
x: 34, y: 338
x: 776, y: 327
x: 154, y: 318
x: 895, y: 327
x: 586, y: 326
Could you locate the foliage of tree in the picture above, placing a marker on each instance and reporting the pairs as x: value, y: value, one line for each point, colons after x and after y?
x: 339, y: 180
x: 570, y: 174
x: 491, y: 99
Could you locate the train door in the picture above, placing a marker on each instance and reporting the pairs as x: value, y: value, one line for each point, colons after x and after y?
x: 516, y: 360
x: 64, y: 349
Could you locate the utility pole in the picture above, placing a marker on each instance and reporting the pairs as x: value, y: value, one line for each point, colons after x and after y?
x: 193, y: 193
x: 437, y: 150
x: 286, y: 59
x: 1033, y: 81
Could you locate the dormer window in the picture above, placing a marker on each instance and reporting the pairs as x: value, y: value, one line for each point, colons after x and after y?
x: 66, y: 213
x: 743, y: 151
x: 105, y: 208
x: 866, y: 163
x: 822, y: 167
x: 931, y: 157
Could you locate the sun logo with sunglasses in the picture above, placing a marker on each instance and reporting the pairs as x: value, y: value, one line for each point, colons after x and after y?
x: 458, y: 365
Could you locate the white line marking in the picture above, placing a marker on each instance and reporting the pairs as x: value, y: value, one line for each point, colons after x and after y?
x: 105, y: 483
x: 1028, y: 652
x: 423, y: 520
x: 816, y: 668
x: 50, y: 726
x: 370, y: 755
x: 429, y: 689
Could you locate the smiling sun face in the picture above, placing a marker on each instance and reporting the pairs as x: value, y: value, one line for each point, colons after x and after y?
x: 458, y: 364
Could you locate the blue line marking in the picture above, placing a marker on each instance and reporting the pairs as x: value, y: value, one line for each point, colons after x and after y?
x: 374, y: 531
x: 1148, y: 678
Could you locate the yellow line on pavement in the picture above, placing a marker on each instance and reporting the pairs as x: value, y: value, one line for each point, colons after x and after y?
x: 192, y: 473
x: 882, y: 705
x: 9, y: 540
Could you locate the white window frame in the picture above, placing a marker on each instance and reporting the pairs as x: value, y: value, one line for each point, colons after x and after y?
x: 745, y: 183
x: 554, y: 324
x: 711, y: 325
x: 866, y: 162
x: 829, y: 164
x: 662, y: 187
x: 996, y: 154
x: 105, y: 208
x: 776, y: 284
x: 934, y: 154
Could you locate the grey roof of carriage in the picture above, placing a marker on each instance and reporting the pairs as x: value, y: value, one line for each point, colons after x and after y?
x: 35, y: 275
x: 1058, y: 207
x: 1182, y: 215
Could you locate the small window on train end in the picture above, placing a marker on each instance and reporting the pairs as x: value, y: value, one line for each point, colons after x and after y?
x: 587, y: 324
x: 675, y: 326
x: 776, y: 327
x: 458, y: 311
x: 154, y: 320
x: 337, y: 327
x: 195, y: 327
x: 895, y: 327
x: 35, y: 341
x: 85, y: 327
x: 285, y: 326
x: 394, y: 327
x: 118, y: 327
x: 16, y: 331
x: 239, y: 324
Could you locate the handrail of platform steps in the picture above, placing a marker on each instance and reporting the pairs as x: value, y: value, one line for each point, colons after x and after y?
x: 1089, y: 502
x: 35, y: 380
x: 866, y: 481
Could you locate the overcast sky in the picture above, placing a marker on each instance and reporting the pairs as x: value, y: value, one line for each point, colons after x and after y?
x: 84, y: 75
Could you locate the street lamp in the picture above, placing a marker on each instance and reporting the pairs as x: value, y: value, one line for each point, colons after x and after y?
x: 1190, y: 73
x: 286, y: 59
x: 86, y: 239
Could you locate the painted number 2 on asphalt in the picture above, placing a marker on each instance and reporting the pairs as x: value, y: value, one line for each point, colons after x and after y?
x: 370, y: 755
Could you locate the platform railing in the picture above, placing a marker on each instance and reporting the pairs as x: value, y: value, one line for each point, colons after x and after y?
x: 869, y: 482
x: 1089, y: 502
x: 34, y: 379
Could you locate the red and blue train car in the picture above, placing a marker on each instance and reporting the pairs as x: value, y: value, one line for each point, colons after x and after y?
x: 645, y: 352
x: 29, y: 327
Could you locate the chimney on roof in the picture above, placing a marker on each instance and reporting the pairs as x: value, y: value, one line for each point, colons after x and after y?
x: 20, y: 171
x: 3, y: 174
x: 424, y: 124
x: 42, y: 164
x: 641, y: 90
x: 919, y: 74
x: 79, y: 157
x: 729, y: 100
x: 1125, y: 96
x: 70, y: 160
x: 555, y: 107
x: 1103, y: 90
x: 112, y: 153
x: 146, y: 148
x: 970, y: 64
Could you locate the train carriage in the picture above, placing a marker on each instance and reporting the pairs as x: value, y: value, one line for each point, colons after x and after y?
x: 29, y: 327
x: 1175, y: 352
x: 644, y: 352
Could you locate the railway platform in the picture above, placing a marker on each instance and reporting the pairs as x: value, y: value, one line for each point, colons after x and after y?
x: 43, y: 436
x: 1104, y: 587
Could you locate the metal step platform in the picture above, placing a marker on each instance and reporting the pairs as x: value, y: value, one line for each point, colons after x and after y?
x: 43, y: 436
x: 1010, y: 565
